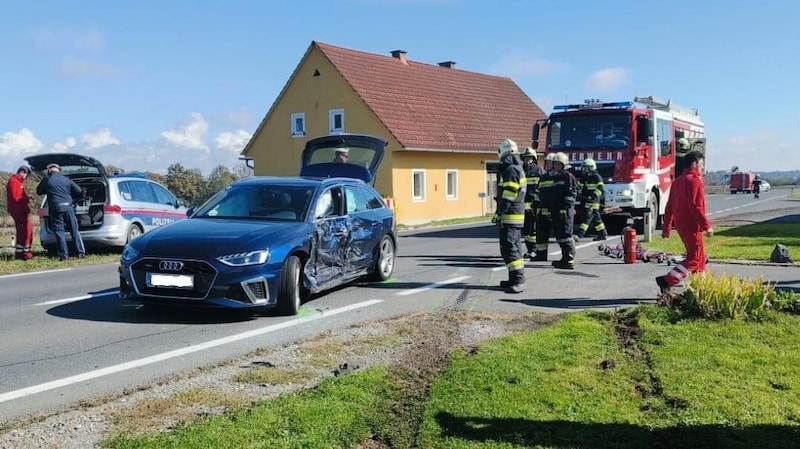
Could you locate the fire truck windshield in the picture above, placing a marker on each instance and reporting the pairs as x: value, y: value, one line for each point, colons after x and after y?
x: 589, y: 131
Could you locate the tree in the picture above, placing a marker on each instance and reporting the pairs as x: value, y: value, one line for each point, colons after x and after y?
x: 187, y: 184
x: 219, y: 178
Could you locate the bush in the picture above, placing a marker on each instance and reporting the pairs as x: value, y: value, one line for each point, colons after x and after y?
x: 724, y: 297
x: 786, y: 301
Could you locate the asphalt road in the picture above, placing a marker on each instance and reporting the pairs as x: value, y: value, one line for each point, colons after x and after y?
x: 65, y: 337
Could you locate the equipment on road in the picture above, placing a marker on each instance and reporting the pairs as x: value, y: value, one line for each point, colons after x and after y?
x: 629, y: 244
x: 635, y: 147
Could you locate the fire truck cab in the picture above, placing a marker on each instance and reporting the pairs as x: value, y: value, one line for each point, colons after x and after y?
x: 634, y: 144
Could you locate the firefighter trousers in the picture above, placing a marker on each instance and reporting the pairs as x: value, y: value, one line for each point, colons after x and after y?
x: 511, y: 250
x: 562, y: 228
x: 591, y: 219
x: 544, y: 225
x: 529, y: 230
x: 24, y: 235
x: 695, y: 261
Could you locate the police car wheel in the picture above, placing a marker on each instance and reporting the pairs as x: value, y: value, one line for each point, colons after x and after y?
x: 134, y: 231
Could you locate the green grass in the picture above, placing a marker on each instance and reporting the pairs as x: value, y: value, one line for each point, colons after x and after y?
x: 749, y: 242
x: 40, y: 260
x: 592, y: 380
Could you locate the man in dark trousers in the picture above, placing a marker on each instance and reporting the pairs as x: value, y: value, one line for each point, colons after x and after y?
x: 511, y: 215
x: 756, y: 186
x: 532, y: 174
x: 544, y: 220
x: 565, y: 190
x: 61, y: 194
x: 591, y: 191
x: 19, y: 207
x: 686, y: 207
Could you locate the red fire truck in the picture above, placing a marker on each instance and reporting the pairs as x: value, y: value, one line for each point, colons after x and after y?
x: 635, y: 146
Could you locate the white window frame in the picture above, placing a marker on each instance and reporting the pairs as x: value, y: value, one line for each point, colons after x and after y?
x: 293, y: 119
x: 451, y: 195
x: 332, y: 120
x: 418, y: 198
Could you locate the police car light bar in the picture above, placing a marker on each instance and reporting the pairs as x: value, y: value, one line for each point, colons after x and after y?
x: 593, y: 105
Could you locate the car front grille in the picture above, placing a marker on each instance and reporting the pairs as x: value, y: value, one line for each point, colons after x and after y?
x: 202, y: 272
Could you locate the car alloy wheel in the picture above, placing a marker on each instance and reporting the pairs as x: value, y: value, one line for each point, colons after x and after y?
x: 289, y: 292
x: 384, y: 263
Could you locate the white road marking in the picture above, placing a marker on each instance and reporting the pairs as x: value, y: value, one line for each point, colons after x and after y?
x: 76, y: 298
x: 31, y: 273
x: 432, y: 286
x: 16, y: 394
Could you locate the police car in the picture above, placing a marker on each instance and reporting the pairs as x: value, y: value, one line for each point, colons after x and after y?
x: 114, y: 209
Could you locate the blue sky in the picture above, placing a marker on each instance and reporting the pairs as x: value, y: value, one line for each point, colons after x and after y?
x: 145, y: 84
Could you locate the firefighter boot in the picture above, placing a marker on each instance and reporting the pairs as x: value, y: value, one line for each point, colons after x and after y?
x: 601, y: 237
x: 567, y: 261
x: 516, y: 282
x: 541, y: 256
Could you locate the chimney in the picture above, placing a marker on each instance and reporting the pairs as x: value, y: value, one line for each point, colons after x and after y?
x: 401, y: 55
x: 447, y: 64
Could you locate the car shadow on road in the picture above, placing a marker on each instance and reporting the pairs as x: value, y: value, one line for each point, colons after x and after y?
x: 488, y: 231
x: 457, y: 261
x: 580, y: 303
x: 106, y: 307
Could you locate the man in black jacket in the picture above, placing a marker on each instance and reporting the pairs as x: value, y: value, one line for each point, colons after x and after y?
x: 511, y: 215
x: 564, y: 191
x: 61, y: 193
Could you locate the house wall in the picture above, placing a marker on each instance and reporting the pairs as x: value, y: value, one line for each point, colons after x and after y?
x: 471, y: 175
x: 276, y: 152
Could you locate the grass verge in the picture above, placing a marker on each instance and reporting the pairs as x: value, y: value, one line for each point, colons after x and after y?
x: 749, y: 242
x: 627, y: 380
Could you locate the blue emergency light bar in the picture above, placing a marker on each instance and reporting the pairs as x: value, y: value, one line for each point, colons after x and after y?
x: 593, y: 105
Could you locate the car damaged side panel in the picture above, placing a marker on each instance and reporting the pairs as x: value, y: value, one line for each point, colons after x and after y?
x: 328, y: 262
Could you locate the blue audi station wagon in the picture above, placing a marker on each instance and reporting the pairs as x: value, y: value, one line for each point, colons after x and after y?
x: 270, y: 242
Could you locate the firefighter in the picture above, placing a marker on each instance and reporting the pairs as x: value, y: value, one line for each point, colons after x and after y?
x: 591, y: 188
x: 683, y: 147
x: 511, y: 215
x: 19, y: 207
x: 544, y: 221
x: 562, y: 209
x: 532, y: 174
x: 756, y: 186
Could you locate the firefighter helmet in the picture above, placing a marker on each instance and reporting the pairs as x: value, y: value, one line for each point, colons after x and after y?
x: 529, y: 152
x: 684, y: 145
x: 507, y: 146
x: 562, y: 159
x: 551, y: 157
x: 589, y: 164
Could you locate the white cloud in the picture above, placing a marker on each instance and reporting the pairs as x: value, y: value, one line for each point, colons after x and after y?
x: 16, y: 145
x: 98, y: 139
x: 607, y: 80
x: 80, y: 67
x: 519, y: 64
x: 232, y: 142
x: 190, y: 134
x: 69, y: 142
x: 70, y: 40
x: 765, y: 150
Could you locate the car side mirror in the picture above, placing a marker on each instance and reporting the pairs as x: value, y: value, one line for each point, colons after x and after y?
x: 190, y: 211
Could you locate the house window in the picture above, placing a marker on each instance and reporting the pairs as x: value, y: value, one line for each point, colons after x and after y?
x: 452, y: 184
x: 298, y: 124
x: 418, y: 185
x: 336, y: 120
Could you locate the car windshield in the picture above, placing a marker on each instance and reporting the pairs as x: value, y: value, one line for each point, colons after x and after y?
x: 589, y: 131
x: 259, y: 202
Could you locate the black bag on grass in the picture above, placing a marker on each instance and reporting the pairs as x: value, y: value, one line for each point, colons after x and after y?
x: 781, y: 254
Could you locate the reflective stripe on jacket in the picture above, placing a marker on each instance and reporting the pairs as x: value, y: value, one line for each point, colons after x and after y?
x: 511, y: 194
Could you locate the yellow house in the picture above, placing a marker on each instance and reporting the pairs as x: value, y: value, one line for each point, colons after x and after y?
x: 443, y: 126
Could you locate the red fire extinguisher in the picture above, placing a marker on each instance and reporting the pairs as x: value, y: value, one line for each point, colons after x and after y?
x: 629, y: 244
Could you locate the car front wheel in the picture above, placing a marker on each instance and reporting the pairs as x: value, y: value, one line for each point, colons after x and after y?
x: 384, y: 260
x: 289, y: 292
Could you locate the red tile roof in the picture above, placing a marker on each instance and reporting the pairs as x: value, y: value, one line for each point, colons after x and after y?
x: 426, y: 106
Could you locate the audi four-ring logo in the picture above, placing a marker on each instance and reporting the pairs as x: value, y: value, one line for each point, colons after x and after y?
x: 170, y: 265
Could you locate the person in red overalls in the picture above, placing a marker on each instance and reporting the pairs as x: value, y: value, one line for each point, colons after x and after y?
x: 686, y: 206
x: 19, y: 207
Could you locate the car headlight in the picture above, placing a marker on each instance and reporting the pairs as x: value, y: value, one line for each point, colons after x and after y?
x: 129, y: 253
x: 625, y: 192
x: 247, y: 258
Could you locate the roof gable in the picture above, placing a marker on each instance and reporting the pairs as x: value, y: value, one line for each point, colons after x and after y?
x: 432, y: 107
